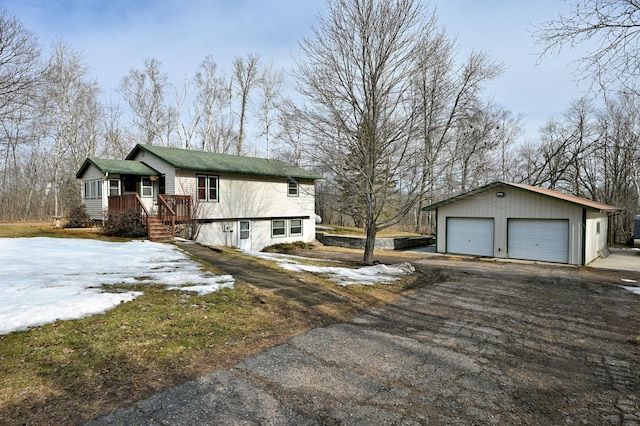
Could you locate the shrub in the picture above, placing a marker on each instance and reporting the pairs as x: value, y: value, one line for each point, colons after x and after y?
x: 78, y: 217
x: 288, y: 247
x: 124, y: 223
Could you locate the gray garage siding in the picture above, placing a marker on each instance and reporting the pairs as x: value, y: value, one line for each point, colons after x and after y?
x: 515, y: 204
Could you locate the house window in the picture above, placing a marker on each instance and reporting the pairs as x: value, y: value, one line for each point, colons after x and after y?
x: 295, y: 227
x: 245, y: 229
x: 92, y: 189
x: 146, y: 187
x: 293, y: 188
x: 207, y: 188
x: 114, y: 187
x: 597, y: 227
x: 278, y: 228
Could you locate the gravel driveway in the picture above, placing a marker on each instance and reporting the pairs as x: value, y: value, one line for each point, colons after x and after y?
x: 474, y: 343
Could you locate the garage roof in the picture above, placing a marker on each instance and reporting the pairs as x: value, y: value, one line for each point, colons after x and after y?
x: 583, y: 202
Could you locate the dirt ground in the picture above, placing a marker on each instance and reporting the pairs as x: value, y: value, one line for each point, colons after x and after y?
x: 472, y: 342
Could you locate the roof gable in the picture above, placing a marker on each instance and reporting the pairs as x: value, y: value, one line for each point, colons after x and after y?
x: 203, y: 161
x: 118, y: 167
x: 559, y: 196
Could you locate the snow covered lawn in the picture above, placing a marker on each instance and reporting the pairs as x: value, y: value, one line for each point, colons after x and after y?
x: 45, y: 279
x: 366, y: 275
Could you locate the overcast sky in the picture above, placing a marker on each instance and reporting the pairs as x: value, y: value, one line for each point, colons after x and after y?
x: 116, y: 35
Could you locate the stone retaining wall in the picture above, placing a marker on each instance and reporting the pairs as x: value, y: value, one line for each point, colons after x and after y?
x: 399, y: 243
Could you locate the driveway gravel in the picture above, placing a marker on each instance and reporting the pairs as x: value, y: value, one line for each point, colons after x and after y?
x: 474, y: 342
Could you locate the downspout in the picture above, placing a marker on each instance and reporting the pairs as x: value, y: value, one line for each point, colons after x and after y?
x: 436, y: 231
x: 584, y: 236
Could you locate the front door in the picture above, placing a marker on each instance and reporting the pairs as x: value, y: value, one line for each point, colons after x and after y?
x: 244, y: 235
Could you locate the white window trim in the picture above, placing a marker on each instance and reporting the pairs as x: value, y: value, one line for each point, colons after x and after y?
x: 290, y: 227
x: 293, y: 184
x: 284, y: 228
x: 119, y: 187
x: 287, y: 227
x: 143, y: 187
x: 207, y: 188
x: 92, y: 189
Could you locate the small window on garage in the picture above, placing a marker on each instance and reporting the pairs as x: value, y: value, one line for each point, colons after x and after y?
x: 597, y: 227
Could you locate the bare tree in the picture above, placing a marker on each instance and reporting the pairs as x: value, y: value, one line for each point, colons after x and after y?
x: 290, y: 139
x: 20, y: 81
x: 246, y: 75
x: 116, y: 143
x: 211, y: 116
x: 356, y: 75
x: 69, y: 119
x: 609, y: 29
x: 270, y: 85
x: 565, y: 142
x: 145, y: 92
x: 444, y: 96
x: 614, y: 162
x: 19, y: 64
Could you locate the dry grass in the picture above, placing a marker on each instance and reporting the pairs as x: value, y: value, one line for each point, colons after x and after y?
x: 71, y: 371
x: 41, y: 229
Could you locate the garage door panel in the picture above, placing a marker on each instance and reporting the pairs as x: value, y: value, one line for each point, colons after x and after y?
x: 536, y: 239
x: 472, y: 236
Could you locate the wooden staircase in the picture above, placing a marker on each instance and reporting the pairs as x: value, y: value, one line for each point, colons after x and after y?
x: 156, y: 231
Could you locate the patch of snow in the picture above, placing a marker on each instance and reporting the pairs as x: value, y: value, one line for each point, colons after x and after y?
x: 45, y: 279
x: 366, y: 275
x: 628, y: 280
x: 635, y: 290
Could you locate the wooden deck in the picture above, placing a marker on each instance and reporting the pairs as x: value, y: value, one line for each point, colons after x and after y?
x: 172, y: 209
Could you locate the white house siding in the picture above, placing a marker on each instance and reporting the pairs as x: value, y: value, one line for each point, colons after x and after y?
x: 515, y: 204
x: 226, y: 233
x: 258, y: 199
x: 596, y: 242
x: 250, y: 197
x: 95, y: 206
x: 162, y: 167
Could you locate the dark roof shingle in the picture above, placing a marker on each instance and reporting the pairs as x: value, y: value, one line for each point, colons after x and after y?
x: 118, y: 167
x: 223, y: 163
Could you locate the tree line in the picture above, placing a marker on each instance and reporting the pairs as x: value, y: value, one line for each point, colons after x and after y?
x: 385, y: 109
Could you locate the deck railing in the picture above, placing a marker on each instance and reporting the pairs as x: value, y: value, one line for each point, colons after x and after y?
x: 171, y: 208
x: 129, y: 201
x: 180, y: 204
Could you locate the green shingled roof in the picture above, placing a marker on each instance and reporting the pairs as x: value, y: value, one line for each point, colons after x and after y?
x: 223, y: 163
x: 117, y: 167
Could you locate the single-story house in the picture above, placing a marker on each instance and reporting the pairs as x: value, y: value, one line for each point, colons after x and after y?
x: 516, y: 221
x: 239, y: 201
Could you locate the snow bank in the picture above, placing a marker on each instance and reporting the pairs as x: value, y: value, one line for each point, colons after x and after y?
x: 366, y: 275
x: 45, y: 279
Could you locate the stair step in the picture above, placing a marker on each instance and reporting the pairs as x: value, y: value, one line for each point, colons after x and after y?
x: 156, y: 231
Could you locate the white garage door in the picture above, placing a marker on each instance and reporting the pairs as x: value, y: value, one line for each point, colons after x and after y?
x: 470, y: 235
x: 535, y: 239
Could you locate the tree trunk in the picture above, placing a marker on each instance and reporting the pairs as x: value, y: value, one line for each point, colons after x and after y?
x: 370, y: 243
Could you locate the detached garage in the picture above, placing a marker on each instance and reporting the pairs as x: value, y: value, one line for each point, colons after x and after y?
x: 507, y: 220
